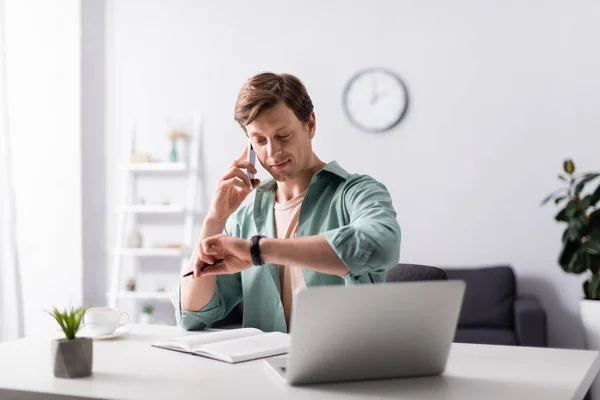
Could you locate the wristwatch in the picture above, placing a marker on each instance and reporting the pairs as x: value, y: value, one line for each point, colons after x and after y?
x: 255, y: 250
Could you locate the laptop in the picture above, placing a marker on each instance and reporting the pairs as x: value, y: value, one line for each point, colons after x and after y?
x: 391, y: 330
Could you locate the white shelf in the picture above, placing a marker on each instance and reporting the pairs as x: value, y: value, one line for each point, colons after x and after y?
x: 149, y: 252
x: 156, y: 167
x: 151, y: 209
x: 141, y: 295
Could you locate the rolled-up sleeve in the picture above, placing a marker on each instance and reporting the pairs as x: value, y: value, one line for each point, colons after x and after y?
x: 228, y: 293
x: 370, y: 243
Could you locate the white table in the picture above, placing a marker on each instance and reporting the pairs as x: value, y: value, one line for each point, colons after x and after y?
x: 129, y: 368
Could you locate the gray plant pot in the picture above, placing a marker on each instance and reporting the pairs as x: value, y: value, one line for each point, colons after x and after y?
x: 72, y: 358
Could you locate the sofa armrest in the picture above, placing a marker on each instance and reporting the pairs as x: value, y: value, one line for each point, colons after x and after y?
x: 530, y: 322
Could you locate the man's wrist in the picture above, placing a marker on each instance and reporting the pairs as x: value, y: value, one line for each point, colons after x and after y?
x: 214, y: 220
x: 266, y: 250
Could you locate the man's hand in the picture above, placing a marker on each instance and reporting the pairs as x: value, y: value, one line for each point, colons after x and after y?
x: 232, y: 189
x: 234, y: 252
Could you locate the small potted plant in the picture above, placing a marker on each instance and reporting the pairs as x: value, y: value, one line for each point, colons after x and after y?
x: 72, y: 356
x: 146, y: 317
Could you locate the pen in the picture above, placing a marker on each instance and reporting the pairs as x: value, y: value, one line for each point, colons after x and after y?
x: 218, y: 262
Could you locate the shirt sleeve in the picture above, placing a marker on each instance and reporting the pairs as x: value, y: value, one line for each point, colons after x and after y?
x: 370, y: 243
x: 228, y: 294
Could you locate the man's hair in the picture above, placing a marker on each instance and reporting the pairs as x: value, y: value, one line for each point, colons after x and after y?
x: 266, y: 90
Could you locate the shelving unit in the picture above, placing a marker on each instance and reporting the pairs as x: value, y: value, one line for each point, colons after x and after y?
x: 151, y: 209
x: 155, y: 167
x: 141, y: 295
x: 148, y: 252
x: 127, y: 212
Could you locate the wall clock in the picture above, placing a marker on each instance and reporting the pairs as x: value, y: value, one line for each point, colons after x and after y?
x: 375, y: 100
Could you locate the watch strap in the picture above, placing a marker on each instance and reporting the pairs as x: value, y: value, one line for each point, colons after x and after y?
x: 255, y: 249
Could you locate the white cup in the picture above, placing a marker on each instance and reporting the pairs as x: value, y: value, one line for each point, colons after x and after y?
x: 104, y: 320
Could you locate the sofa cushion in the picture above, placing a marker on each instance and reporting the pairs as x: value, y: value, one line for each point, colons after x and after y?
x: 485, y: 336
x: 489, y: 296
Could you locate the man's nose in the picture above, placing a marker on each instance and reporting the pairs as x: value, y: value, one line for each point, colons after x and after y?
x: 273, y: 148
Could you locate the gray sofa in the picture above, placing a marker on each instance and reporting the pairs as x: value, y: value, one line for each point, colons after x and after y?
x: 493, y: 312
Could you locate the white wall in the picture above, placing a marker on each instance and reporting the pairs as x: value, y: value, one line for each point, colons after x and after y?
x: 501, y: 93
x: 93, y: 143
x: 43, y: 71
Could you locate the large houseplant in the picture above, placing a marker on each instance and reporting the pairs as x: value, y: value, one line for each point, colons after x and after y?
x: 580, y: 251
x: 72, y: 356
x: 581, y: 239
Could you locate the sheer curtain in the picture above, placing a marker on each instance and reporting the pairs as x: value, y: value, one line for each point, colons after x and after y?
x: 11, y: 304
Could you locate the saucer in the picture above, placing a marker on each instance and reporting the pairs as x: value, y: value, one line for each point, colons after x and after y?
x: 120, y: 331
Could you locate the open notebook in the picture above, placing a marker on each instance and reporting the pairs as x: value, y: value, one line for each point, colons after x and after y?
x: 232, y: 346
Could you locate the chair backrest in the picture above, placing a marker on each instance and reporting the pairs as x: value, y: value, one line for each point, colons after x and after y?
x: 415, y: 272
x: 489, y: 297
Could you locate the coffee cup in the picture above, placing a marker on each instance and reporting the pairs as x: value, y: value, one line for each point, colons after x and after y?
x: 104, y: 320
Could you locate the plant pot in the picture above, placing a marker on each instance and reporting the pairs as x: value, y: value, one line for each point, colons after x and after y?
x: 72, y: 358
x: 145, y: 318
x: 590, y: 319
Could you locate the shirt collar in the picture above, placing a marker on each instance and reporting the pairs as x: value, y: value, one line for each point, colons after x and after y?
x: 331, y: 168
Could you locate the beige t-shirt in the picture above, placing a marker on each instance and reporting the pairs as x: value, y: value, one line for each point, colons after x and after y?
x: 286, y: 224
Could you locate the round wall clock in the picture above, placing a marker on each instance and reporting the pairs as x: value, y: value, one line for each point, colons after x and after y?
x: 375, y: 100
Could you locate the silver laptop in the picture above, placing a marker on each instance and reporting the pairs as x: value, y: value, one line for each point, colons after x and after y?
x: 390, y: 330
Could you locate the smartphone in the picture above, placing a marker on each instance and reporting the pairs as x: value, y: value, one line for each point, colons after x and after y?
x: 252, y: 158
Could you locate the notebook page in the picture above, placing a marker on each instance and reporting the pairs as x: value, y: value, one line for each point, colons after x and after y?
x: 247, y: 348
x: 189, y: 342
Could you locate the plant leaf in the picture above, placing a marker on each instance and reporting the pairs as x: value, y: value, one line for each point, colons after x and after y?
x: 591, y: 247
x: 559, y: 199
x: 562, y: 216
x: 568, y: 252
x: 581, y: 185
x: 595, y: 196
x: 594, y: 221
x: 592, y: 288
x: 577, y: 264
x: 563, y: 191
x: 562, y: 178
x: 547, y: 199
x: 569, y: 166
x: 571, y: 208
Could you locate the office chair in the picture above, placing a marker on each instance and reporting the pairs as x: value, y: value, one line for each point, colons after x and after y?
x: 415, y: 272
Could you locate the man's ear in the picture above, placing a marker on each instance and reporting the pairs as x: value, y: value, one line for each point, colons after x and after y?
x: 312, y: 125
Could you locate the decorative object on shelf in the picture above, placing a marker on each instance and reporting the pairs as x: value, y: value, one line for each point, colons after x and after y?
x: 135, y: 239
x: 130, y: 285
x: 580, y: 251
x: 72, y: 357
x: 146, y: 315
x: 169, y: 246
x: 375, y: 100
x: 174, y: 136
x: 138, y: 157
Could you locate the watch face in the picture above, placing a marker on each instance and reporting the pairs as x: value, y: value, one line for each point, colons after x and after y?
x: 375, y: 100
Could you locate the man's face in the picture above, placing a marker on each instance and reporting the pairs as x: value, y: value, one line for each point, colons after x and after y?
x: 282, y: 142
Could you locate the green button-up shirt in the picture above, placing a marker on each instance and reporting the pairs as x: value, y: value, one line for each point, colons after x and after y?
x: 353, y: 212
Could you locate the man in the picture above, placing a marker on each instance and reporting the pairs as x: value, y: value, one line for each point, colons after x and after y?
x: 312, y: 224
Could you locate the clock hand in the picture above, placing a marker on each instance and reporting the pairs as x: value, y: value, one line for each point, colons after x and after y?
x: 374, y: 88
x: 378, y: 96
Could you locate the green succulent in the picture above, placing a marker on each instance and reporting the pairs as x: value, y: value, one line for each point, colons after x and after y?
x: 69, y: 319
x: 581, y: 239
x: 147, y: 309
